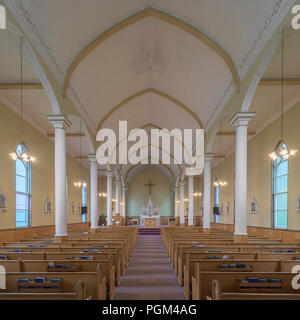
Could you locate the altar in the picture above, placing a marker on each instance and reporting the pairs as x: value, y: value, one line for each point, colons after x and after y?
x: 150, y: 217
x: 150, y: 223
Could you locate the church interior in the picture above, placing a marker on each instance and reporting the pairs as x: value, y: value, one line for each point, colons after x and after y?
x: 73, y: 228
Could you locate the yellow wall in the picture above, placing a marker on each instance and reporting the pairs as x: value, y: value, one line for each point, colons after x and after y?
x: 42, y: 171
x: 259, y: 173
x: 138, y: 193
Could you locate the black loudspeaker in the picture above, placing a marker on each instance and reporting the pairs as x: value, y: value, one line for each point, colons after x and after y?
x: 84, y: 210
x: 216, y: 211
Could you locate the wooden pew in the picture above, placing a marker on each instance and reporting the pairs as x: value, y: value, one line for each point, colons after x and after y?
x: 202, y: 282
x: 26, y: 266
x: 117, y: 257
x: 258, y: 255
x: 78, y: 294
x: 218, y: 294
x: 94, y: 282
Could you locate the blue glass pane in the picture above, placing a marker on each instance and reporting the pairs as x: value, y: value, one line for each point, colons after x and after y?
x: 21, y: 202
x: 21, y: 184
x: 216, y: 218
x: 84, y: 196
x: 281, y: 201
x: 20, y: 168
x: 21, y: 218
x: 19, y: 149
x: 83, y: 218
x: 216, y: 196
x: 282, y: 184
x: 281, y: 219
x: 282, y: 168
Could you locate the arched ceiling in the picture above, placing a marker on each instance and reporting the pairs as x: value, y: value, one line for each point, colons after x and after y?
x: 156, y: 63
x: 174, y: 59
x: 151, y: 106
x: 134, y: 170
x: 176, y: 47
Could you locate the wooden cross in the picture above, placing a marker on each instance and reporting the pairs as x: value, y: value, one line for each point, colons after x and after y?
x: 150, y: 185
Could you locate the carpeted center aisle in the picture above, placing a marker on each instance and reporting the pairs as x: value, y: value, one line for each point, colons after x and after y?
x: 149, y: 275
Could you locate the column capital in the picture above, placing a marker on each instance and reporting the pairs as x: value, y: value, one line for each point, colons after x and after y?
x: 92, y: 157
x: 176, y: 188
x: 241, y: 119
x: 59, y: 121
x: 118, y: 183
x: 181, y: 183
x: 109, y: 174
x: 208, y: 157
x: 124, y: 189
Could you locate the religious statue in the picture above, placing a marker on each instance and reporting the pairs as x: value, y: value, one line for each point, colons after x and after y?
x: 47, y: 206
x: 3, y: 202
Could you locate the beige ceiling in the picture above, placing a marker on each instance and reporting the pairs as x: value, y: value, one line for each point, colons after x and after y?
x: 185, y: 82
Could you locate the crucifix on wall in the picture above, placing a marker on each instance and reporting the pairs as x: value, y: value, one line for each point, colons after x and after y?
x: 150, y: 185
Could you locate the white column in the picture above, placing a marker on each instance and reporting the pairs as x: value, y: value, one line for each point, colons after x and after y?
x: 94, y: 191
x: 109, y: 198
x: 191, y: 201
x: 240, y: 122
x: 176, y: 204
x: 124, y: 202
x: 60, y: 123
x: 118, y: 184
x: 207, y: 191
x: 181, y: 203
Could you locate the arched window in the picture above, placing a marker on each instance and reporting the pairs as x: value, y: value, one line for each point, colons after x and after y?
x: 23, y: 189
x: 216, y: 200
x: 84, y: 199
x: 280, y: 171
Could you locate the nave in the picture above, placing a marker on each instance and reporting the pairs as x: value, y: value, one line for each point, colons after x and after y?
x: 177, y: 115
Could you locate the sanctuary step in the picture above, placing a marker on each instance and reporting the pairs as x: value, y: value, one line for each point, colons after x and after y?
x: 149, y: 231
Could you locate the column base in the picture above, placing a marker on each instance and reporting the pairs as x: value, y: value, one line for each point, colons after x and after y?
x: 206, y: 230
x: 240, y: 238
x: 59, y: 239
x: 93, y: 230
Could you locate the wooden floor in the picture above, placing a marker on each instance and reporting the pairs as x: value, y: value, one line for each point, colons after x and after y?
x: 149, y: 275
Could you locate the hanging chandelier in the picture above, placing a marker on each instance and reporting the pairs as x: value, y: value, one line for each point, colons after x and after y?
x: 282, y: 151
x: 22, y: 154
x: 80, y: 183
x: 219, y: 181
x: 197, y: 194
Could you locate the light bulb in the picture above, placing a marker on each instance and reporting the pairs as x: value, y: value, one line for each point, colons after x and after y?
x: 14, y: 156
x: 273, y: 156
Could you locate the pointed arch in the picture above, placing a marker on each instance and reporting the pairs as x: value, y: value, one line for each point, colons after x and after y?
x: 158, y: 14
x: 154, y: 91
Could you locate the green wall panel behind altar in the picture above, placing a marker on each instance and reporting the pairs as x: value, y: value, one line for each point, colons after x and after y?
x: 161, y: 193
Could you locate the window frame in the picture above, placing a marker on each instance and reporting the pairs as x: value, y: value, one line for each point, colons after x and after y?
x: 216, y: 204
x: 274, y: 194
x: 84, y: 194
x: 27, y: 194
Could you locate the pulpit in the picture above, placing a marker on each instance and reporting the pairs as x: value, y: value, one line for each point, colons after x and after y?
x: 150, y: 222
